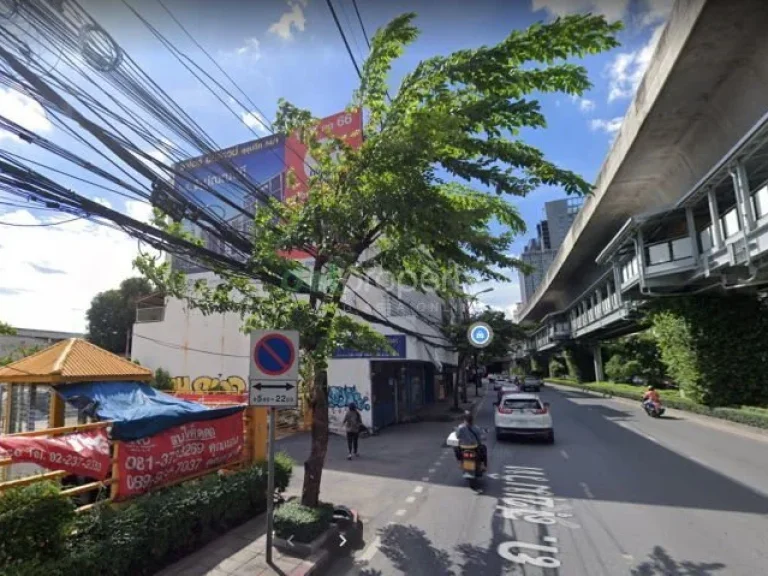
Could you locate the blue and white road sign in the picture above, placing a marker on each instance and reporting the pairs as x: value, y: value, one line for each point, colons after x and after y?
x: 274, y: 373
x: 274, y: 355
x: 480, y: 334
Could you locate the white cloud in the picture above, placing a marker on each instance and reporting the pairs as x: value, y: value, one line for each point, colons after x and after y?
x: 612, y: 9
x: 256, y: 121
x: 48, y: 275
x: 249, y: 51
x: 289, y: 21
x: 627, y: 69
x: 585, y: 104
x: 608, y: 126
x: 22, y: 110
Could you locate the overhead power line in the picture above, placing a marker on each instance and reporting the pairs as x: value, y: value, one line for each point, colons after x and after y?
x: 344, y: 37
x: 360, y: 19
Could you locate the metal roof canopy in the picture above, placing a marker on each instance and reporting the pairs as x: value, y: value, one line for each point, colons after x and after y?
x: 72, y: 360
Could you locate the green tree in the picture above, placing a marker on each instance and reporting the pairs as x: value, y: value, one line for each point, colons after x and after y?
x: 7, y: 329
x: 407, y: 201
x: 112, y: 314
x: 505, y: 333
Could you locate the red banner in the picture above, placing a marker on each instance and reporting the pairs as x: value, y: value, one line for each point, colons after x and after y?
x: 178, y: 452
x: 82, y: 454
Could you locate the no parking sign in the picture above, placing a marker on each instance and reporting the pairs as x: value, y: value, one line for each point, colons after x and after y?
x: 274, y: 369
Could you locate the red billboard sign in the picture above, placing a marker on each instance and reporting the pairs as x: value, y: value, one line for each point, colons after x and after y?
x: 82, y: 454
x: 299, y: 162
x: 178, y: 452
x: 345, y: 125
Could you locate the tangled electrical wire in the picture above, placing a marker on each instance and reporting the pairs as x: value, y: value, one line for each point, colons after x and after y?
x: 105, y: 121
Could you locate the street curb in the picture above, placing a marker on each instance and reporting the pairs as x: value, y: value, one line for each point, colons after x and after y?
x: 320, y: 560
x: 717, y: 423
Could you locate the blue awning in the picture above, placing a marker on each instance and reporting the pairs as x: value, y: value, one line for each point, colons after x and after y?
x: 137, y: 409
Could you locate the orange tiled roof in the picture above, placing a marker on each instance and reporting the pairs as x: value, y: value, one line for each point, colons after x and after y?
x: 72, y: 360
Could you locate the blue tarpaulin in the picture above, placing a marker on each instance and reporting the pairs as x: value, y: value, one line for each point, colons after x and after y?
x: 137, y: 409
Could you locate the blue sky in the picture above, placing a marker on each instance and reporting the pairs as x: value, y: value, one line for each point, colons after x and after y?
x: 293, y: 50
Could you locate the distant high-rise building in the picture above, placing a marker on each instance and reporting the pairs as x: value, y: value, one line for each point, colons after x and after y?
x: 540, y: 252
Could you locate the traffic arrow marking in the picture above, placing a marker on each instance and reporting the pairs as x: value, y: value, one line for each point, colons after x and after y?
x: 260, y: 386
x: 343, y: 540
x: 493, y: 476
x: 289, y: 540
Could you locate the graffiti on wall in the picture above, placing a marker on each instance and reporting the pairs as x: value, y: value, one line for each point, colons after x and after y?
x: 339, y: 397
x: 343, y: 396
x: 209, y: 384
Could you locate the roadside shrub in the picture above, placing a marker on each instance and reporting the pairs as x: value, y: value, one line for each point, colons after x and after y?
x: 557, y: 367
x: 714, y: 347
x: 154, y: 530
x: 162, y: 380
x: 34, y: 523
x: 304, y: 523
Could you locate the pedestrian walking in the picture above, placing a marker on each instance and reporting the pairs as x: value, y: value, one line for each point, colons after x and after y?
x: 353, y: 421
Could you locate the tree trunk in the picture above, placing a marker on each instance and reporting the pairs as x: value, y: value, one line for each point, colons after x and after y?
x: 313, y: 467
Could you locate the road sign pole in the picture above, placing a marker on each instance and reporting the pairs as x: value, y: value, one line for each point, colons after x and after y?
x: 270, y: 484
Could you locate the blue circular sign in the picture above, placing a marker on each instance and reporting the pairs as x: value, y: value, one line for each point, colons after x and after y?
x: 480, y: 334
x: 274, y: 354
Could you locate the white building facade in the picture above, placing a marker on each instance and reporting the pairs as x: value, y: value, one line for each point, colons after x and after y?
x: 211, y: 352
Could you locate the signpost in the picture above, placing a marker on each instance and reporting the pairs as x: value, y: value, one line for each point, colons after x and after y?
x: 273, y: 383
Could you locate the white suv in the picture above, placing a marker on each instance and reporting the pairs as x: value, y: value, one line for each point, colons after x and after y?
x: 523, y: 415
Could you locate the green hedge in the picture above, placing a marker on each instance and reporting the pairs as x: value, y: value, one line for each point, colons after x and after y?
x: 750, y: 415
x: 303, y: 523
x: 150, y: 532
x: 34, y: 523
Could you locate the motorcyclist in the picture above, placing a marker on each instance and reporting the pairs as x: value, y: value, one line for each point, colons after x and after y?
x: 651, y: 396
x: 468, y: 435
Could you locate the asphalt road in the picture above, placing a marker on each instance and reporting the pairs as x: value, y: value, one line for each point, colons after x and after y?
x: 619, y: 493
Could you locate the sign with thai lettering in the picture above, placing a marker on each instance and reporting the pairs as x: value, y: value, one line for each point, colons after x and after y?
x: 396, y: 341
x: 181, y: 451
x: 82, y: 454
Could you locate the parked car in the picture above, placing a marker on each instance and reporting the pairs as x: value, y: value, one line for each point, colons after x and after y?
x: 531, y: 384
x: 523, y: 414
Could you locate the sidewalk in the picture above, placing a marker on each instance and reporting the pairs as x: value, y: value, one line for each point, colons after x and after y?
x: 390, y: 464
x: 241, y: 552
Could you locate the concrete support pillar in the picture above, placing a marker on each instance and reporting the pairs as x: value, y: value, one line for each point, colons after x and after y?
x: 597, y: 354
x: 640, y: 247
x: 617, y: 281
x: 714, y: 215
x: 741, y: 186
x: 690, y: 223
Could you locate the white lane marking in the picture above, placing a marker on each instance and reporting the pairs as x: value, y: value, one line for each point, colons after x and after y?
x: 419, y: 489
x: 587, y: 491
x: 371, y: 550
x: 438, y: 463
x: 432, y: 470
x: 565, y: 454
x: 411, y: 499
x: 401, y: 512
x: 425, y: 479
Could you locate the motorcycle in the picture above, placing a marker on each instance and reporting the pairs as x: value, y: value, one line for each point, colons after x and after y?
x: 471, y: 466
x: 653, y: 409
